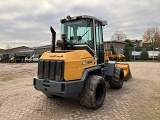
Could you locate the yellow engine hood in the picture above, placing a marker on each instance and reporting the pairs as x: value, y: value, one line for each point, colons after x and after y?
x: 66, y: 55
x: 75, y: 62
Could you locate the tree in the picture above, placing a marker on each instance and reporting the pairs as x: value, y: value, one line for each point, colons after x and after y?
x: 144, y: 55
x: 128, y: 43
x: 128, y: 49
x: 152, y: 35
x: 119, y: 36
x: 157, y: 42
x: 112, y: 49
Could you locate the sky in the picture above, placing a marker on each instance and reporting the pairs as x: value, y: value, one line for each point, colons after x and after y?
x: 27, y: 22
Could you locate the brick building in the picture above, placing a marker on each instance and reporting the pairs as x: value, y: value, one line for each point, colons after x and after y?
x: 137, y: 42
x: 118, y: 45
x: 13, y: 50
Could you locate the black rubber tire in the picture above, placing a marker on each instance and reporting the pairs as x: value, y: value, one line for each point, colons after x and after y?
x: 94, y: 92
x: 118, y: 76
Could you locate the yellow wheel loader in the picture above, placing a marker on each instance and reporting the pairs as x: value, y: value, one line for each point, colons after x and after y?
x: 110, y: 56
x: 79, y: 68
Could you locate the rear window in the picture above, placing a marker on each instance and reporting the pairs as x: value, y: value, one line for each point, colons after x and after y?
x: 36, y: 56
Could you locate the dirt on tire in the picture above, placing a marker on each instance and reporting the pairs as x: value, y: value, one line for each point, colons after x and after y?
x: 117, y: 81
x: 88, y: 96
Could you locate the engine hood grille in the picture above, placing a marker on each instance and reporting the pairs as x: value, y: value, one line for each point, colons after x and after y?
x: 51, y: 70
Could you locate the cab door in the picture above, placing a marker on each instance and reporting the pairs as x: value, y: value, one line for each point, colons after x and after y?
x: 99, y: 42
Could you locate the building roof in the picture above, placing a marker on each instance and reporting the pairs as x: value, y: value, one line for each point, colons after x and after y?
x: 18, y: 48
x: 114, y: 41
x: 68, y: 18
x: 40, y: 47
x: 136, y: 40
x: 13, y: 50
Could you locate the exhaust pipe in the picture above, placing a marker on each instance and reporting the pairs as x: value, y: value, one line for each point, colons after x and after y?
x: 53, y: 39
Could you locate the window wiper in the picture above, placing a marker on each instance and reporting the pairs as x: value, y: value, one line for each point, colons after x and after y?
x: 84, y: 34
x: 80, y: 37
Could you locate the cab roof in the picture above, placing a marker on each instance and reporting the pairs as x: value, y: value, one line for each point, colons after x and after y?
x: 69, y: 18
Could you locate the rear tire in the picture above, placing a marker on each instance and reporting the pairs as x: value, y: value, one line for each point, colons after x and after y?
x: 94, y: 92
x: 117, y: 81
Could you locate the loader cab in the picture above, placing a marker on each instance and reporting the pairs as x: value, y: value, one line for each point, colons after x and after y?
x: 84, y: 32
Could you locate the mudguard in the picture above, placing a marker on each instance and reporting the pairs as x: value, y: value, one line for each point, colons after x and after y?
x: 109, y: 70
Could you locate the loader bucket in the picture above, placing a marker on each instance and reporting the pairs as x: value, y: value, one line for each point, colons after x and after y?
x: 126, y: 70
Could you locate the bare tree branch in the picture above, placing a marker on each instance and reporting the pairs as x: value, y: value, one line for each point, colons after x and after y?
x: 152, y: 35
x: 119, y: 36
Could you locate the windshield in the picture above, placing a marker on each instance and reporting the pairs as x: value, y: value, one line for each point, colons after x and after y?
x: 78, y: 31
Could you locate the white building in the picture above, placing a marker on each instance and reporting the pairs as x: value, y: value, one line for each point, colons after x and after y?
x: 153, y: 54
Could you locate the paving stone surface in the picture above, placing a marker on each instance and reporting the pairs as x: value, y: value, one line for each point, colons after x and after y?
x: 139, y: 99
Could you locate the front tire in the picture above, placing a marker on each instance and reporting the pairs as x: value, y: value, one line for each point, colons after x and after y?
x: 94, y: 92
x: 117, y: 81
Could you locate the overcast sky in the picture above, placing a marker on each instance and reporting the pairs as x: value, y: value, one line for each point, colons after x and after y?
x: 27, y: 22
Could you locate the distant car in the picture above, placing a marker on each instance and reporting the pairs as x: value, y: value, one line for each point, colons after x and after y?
x: 36, y: 58
x: 33, y: 58
x: 28, y: 59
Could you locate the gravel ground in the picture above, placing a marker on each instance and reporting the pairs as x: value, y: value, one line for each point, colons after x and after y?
x: 139, y: 99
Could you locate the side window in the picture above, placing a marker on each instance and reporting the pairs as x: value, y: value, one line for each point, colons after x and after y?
x: 99, y: 43
x: 70, y: 32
